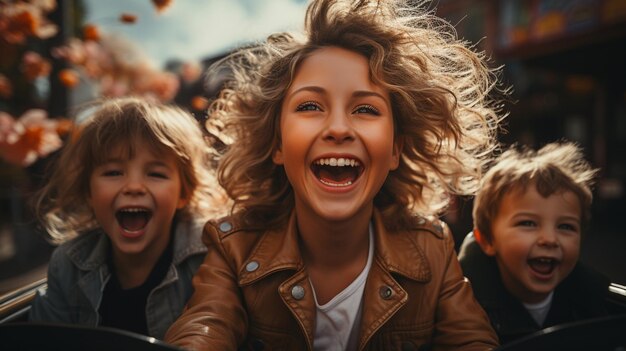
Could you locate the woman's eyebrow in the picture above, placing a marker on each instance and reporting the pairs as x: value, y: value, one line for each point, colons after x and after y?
x: 320, y: 90
x: 311, y: 88
x: 368, y: 93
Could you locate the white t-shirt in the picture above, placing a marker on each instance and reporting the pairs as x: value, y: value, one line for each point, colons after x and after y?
x: 337, y: 322
x: 539, y: 310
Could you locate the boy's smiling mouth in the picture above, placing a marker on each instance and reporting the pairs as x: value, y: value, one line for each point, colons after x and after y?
x: 337, y: 171
x: 543, y: 265
x: 133, y: 219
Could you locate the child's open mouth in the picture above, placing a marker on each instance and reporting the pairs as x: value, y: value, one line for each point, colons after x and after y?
x: 542, y: 265
x: 133, y: 219
x: 337, y: 172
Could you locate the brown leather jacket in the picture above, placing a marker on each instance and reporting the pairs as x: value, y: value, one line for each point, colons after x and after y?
x: 252, y: 291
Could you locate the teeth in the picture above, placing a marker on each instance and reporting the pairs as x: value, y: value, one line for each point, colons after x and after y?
x: 337, y: 162
x: 133, y: 210
x: 336, y: 184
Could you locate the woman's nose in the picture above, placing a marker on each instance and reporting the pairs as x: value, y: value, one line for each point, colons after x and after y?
x: 338, y: 127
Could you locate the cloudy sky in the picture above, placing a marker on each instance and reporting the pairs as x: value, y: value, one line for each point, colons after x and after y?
x: 195, y: 29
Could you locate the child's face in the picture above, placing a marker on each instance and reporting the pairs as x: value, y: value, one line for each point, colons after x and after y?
x: 134, y: 200
x: 536, y: 241
x: 337, y: 132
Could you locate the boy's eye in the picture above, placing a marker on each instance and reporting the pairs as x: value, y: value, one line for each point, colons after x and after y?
x: 526, y: 223
x: 367, y: 109
x: 158, y: 175
x: 568, y: 227
x: 308, y: 106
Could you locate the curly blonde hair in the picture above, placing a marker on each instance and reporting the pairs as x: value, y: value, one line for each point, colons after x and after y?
x: 62, y: 205
x: 555, y: 168
x: 440, y: 96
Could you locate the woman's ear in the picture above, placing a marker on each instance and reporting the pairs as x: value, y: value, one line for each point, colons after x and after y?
x: 396, y: 152
x: 277, y: 156
x: 484, y: 244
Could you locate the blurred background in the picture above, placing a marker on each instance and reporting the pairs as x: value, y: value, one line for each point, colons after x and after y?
x: 565, y: 61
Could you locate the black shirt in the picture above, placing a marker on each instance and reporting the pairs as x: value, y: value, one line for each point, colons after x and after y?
x: 126, y: 308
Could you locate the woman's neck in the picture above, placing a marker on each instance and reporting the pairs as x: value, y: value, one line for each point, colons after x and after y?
x: 332, y: 244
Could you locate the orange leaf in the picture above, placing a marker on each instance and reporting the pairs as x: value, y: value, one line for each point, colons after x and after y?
x: 128, y: 18
x: 23, y: 22
x: 64, y: 126
x: 91, y: 32
x: 69, y: 78
x: 199, y: 103
x: 161, y: 5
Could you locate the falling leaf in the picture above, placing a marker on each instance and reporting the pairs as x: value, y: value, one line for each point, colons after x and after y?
x: 69, y: 78
x: 162, y: 5
x: 63, y: 126
x: 91, y: 32
x: 199, y: 103
x: 128, y: 18
x: 24, y: 23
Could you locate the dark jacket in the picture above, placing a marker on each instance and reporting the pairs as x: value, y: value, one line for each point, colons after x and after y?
x: 253, y: 290
x: 582, y: 295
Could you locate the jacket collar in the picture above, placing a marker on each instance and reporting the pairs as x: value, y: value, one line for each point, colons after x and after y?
x: 278, y: 250
x: 89, y: 251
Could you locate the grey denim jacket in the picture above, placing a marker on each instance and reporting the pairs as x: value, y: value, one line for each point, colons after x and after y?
x: 78, y: 273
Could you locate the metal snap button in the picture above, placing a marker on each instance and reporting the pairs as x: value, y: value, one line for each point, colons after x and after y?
x: 252, y: 266
x: 385, y: 292
x: 297, y: 292
x: 225, y: 227
x: 438, y: 228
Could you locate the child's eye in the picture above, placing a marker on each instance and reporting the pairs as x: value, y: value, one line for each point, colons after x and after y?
x: 367, y: 109
x: 112, y: 173
x: 158, y: 175
x: 526, y: 223
x: 568, y: 227
x: 308, y: 106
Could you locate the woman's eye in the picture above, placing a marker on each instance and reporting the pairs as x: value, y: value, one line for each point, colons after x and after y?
x: 308, y: 106
x: 367, y: 109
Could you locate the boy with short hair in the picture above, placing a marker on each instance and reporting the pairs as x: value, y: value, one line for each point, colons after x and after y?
x: 522, y: 256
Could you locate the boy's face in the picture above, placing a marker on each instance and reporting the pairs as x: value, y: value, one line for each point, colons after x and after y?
x: 536, y: 241
x: 134, y: 200
x: 337, y: 132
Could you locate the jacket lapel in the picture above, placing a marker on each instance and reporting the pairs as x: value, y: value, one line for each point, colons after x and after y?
x: 278, y: 250
x: 395, y: 252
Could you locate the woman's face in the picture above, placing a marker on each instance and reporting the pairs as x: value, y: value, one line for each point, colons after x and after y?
x: 337, y: 135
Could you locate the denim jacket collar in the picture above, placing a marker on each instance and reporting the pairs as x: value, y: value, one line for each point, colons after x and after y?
x: 90, y: 252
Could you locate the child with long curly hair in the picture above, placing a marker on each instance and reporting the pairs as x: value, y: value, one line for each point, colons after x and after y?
x: 345, y: 143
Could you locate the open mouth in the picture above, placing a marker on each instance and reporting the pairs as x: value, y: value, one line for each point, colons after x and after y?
x: 337, y: 172
x: 543, y: 265
x: 133, y: 219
